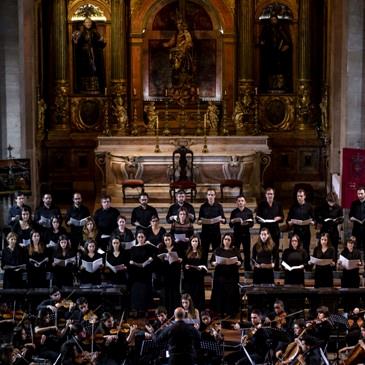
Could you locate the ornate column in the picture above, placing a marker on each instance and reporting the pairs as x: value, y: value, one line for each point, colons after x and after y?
x: 303, y: 103
x: 62, y: 88
x: 118, y: 71
x: 242, y: 115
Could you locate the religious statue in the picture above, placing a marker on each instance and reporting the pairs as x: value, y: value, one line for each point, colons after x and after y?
x: 89, y: 58
x: 182, y: 64
x: 276, y: 55
x: 237, y: 116
x: 120, y: 113
x: 42, y: 107
x: 211, y: 117
x: 323, y: 106
x: 303, y: 104
x: 151, y: 117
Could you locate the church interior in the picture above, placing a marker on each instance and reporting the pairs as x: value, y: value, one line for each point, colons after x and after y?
x: 114, y: 98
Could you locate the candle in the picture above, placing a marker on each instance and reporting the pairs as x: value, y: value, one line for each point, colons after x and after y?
x: 165, y: 92
x: 106, y: 91
x: 157, y: 124
x: 255, y: 90
x: 225, y: 92
x: 134, y: 91
x: 205, y: 122
x: 197, y: 91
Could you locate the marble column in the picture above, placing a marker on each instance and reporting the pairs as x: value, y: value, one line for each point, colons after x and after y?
x: 118, y: 68
x: 62, y: 88
x: 244, y: 106
x: 304, y: 66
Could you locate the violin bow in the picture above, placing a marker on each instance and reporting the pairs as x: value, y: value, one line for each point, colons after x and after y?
x: 14, y: 306
x: 70, y: 295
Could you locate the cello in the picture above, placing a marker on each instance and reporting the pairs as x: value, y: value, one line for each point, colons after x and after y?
x: 356, y: 356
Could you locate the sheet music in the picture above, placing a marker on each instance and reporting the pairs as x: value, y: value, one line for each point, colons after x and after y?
x: 115, y: 268
x: 128, y: 245
x: 211, y: 220
x: 92, y: 266
x: 353, y: 219
x: 169, y: 256
x: 103, y: 236
x: 38, y: 263
x: 63, y: 263
x: 320, y: 262
x: 78, y: 223
x: 348, y: 264
x: 262, y: 220
x: 180, y: 237
x: 290, y: 268
x: 16, y: 267
x: 45, y: 222
x: 300, y: 222
x: 143, y: 264
x: 51, y: 244
x: 226, y: 260
x: 333, y: 219
x: 26, y: 242
x: 199, y: 267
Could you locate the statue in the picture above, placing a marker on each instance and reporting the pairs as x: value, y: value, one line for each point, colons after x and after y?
x: 120, y: 113
x: 151, y: 117
x: 323, y: 106
x: 89, y: 58
x: 211, y: 116
x: 237, y: 116
x: 42, y: 106
x: 276, y: 55
x: 182, y: 65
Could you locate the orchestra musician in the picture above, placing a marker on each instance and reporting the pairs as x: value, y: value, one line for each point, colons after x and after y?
x: 112, y: 341
x: 310, y: 351
x: 190, y: 311
x: 278, y: 317
x: 254, y: 341
x: 320, y: 327
x: 356, y: 352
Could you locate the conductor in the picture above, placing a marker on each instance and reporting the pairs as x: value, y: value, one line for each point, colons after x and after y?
x: 183, y: 340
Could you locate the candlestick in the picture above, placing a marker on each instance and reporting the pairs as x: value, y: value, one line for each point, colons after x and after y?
x: 197, y: 91
x: 134, y: 91
x: 165, y: 92
x: 225, y: 92
x: 255, y: 90
x: 106, y: 91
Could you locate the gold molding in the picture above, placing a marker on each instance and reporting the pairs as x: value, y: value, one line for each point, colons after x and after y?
x: 271, y: 104
x: 76, y: 118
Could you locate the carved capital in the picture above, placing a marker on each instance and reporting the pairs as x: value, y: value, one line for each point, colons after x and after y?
x: 61, y: 105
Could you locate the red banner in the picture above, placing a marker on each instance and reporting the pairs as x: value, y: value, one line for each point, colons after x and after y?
x: 353, y: 174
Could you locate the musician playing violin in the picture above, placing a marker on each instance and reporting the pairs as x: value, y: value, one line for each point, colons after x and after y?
x: 254, y: 341
x: 320, y: 327
x: 278, y: 317
x: 159, y: 323
x: 112, y: 341
x: 74, y: 351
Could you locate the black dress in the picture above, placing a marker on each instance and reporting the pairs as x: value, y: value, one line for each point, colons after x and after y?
x: 294, y: 258
x: 193, y: 282
x: 225, y: 293
x: 323, y: 275
x: 86, y: 277
x: 187, y: 229
x: 121, y: 276
x: 63, y: 275
x: 170, y: 274
x: 350, y: 278
x: 13, y: 278
x: 155, y: 239
x: 141, y: 277
x: 263, y: 276
x: 37, y: 267
x: 23, y: 234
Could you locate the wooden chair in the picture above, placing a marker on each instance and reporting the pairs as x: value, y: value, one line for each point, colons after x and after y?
x: 182, y: 172
x: 131, y: 184
x: 231, y: 183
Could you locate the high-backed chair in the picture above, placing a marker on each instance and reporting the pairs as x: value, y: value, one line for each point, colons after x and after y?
x: 182, y: 177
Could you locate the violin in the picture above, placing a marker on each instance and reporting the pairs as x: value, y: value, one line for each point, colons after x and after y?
x: 65, y: 303
x: 280, y: 320
x: 124, y: 328
x: 90, y: 316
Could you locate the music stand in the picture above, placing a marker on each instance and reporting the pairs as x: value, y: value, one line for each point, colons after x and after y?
x: 154, y: 348
x: 338, y: 322
x: 212, y: 348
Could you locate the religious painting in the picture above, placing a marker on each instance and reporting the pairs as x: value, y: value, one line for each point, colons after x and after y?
x: 182, y: 54
x: 15, y: 175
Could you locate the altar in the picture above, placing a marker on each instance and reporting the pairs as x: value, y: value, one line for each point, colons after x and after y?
x: 230, y: 157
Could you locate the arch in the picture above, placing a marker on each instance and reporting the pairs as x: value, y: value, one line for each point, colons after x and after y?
x: 74, y: 5
x: 220, y: 13
x: 265, y: 3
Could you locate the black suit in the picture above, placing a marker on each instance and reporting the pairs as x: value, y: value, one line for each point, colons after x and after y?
x: 183, y: 342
